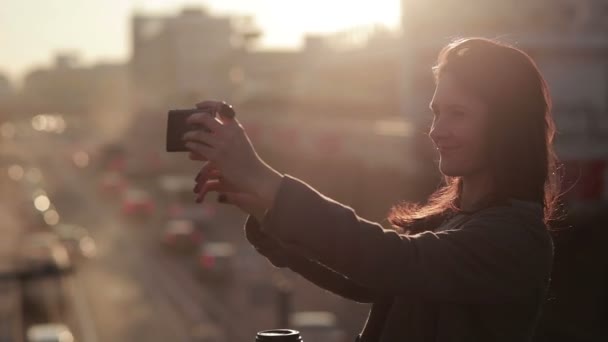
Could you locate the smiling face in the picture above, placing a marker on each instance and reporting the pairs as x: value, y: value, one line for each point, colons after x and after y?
x: 459, y: 128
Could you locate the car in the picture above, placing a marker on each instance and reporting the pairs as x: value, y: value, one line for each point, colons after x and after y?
x: 181, y: 236
x: 137, y: 202
x: 181, y: 200
x: 199, y: 214
x: 42, y: 253
x: 50, y: 332
x: 42, y: 263
x: 216, y: 261
x: 317, y: 326
x: 77, y: 240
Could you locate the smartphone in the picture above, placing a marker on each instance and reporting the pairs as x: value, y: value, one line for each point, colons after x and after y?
x: 177, y: 126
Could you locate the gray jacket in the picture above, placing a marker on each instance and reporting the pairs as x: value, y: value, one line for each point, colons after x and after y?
x: 482, y: 280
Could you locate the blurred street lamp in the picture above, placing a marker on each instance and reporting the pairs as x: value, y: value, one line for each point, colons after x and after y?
x: 42, y: 203
x: 52, y: 123
x: 39, y: 122
x: 81, y: 159
x: 15, y: 172
x: 51, y: 217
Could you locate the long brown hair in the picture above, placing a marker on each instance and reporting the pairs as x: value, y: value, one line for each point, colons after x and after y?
x: 520, y: 133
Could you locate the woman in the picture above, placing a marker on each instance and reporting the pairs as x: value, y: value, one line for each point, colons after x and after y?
x: 472, y: 264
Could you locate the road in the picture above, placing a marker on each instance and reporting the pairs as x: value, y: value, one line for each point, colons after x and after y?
x: 124, y: 294
x: 135, y: 291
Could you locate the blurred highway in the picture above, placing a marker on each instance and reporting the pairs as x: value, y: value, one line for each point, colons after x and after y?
x: 133, y: 290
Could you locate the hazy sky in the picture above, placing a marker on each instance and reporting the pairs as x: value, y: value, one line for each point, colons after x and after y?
x: 32, y: 31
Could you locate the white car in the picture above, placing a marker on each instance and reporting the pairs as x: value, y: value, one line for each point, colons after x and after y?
x: 216, y: 261
x: 181, y: 236
x: 77, y: 240
x: 49, y: 333
x: 42, y: 252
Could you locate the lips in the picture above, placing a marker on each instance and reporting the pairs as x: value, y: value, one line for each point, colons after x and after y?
x: 448, y: 149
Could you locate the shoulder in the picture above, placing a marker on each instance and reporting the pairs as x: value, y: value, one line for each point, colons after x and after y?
x: 512, y: 210
x: 520, y: 222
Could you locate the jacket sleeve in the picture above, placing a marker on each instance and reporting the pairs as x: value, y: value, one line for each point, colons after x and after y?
x: 499, y: 253
x: 282, y: 256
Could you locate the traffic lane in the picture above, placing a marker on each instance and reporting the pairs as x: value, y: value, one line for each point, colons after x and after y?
x: 228, y: 308
x: 192, y: 293
x: 249, y: 298
x: 125, y: 303
x: 127, y: 300
x: 142, y: 267
x: 124, y: 298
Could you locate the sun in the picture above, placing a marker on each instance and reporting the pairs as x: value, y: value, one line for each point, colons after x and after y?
x: 325, y: 16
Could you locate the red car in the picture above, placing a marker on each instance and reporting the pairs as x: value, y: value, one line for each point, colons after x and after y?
x: 216, y: 261
x: 137, y: 203
x: 181, y: 236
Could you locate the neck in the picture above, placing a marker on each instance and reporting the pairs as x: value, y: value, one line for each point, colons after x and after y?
x: 474, y: 188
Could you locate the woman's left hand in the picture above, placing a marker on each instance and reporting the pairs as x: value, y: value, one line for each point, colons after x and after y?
x: 230, y: 150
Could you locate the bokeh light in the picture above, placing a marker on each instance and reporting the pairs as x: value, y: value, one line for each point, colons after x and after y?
x: 51, y: 217
x: 52, y: 123
x: 15, y: 172
x: 39, y: 122
x: 81, y: 159
x: 42, y: 203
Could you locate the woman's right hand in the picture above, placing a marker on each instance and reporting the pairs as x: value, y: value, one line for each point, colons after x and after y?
x: 210, y: 178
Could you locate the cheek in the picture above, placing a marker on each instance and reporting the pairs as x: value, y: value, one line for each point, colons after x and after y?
x: 474, y: 142
x: 472, y: 139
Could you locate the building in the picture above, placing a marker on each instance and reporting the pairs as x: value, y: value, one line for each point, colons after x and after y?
x: 6, y: 96
x: 6, y: 89
x: 78, y: 91
x: 567, y: 39
x: 178, y: 60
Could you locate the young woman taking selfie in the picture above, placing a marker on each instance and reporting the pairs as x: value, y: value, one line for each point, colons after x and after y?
x: 473, y: 263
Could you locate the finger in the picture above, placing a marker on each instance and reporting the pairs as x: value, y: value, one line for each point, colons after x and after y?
x: 206, y: 169
x: 233, y: 124
x: 213, y: 105
x: 223, y: 185
x: 206, y: 120
x: 212, y: 185
x: 202, y: 150
x: 201, y: 137
x: 196, y: 156
x: 214, y: 175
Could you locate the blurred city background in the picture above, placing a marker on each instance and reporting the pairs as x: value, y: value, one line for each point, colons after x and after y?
x: 101, y: 239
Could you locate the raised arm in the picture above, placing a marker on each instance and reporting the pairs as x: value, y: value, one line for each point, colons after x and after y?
x: 501, y: 252
x: 282, y: 256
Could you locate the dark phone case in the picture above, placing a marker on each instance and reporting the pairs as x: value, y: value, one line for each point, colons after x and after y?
x: 177, y: 126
